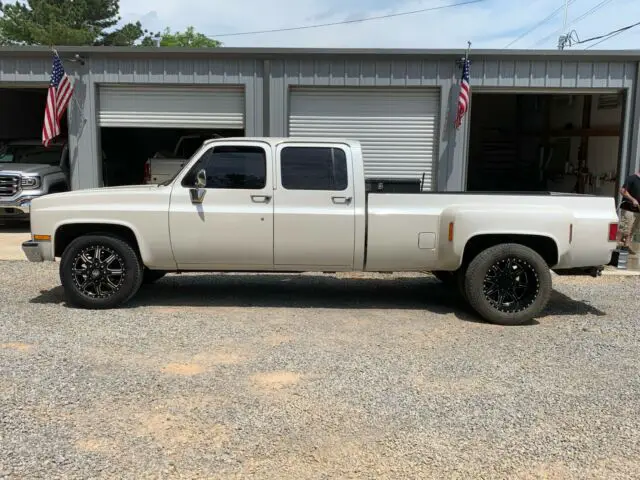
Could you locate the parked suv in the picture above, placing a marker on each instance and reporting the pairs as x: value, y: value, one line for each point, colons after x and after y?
x: 29, y: 170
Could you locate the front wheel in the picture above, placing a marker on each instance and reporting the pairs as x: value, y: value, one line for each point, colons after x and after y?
x: 508, y: 284
x: 100, y: 271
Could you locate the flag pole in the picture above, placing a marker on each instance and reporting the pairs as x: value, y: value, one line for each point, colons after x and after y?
x: 73, y: 97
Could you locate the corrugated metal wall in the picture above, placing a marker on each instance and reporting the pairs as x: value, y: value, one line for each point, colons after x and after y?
x: 267, y: 98
x: 444, y: 73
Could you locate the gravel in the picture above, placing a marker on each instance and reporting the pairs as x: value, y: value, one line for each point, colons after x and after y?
x: 315, y: 376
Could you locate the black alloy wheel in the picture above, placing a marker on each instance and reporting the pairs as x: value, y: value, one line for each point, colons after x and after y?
x: 511, y: 285
x: 100, y: 271
x: 508, y: 284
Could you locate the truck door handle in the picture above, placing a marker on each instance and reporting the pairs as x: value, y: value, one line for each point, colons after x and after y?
x: 260, y: 198
x: 341, y: 199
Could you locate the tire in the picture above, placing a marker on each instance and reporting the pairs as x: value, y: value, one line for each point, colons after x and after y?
x: 81, y: 291
x: 524, y: 295
x: 151, y: 276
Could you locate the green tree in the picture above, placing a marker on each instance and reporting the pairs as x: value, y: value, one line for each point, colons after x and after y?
x: 188, y: 38
x: 67, y: 22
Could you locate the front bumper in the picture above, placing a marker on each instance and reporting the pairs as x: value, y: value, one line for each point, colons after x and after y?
x: 32, y: 251
x: 16, y: 208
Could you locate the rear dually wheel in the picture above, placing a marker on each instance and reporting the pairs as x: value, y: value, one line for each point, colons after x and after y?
x: 508, y: 284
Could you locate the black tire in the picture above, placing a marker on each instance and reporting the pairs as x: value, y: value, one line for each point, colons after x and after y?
x: 445, y: 277
x: 97, y: 292
x: 151, y: 276
x: 508, y: 272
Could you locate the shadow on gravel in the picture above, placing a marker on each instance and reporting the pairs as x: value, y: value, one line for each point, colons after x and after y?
x: 315, y: 291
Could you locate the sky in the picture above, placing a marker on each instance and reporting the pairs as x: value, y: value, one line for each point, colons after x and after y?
x: 487, y: 24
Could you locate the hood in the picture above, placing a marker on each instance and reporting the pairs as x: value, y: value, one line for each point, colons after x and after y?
x: 29, y: 168
x: 103, y: 196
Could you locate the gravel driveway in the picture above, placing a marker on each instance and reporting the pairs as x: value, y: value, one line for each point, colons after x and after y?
x: 349, y: 376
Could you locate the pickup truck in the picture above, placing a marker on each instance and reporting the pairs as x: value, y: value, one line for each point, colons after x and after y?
x: 301, y: 205
x: 29, y: 170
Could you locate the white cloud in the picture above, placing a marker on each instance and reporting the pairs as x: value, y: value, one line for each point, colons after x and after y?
x: 490, y: 24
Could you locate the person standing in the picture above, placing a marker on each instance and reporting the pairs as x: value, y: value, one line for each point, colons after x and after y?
x: 630, y: 210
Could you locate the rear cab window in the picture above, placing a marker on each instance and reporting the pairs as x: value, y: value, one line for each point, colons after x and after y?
x: 314, y: 168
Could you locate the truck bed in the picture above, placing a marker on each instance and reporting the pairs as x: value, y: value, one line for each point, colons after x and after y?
x: 408, y: 230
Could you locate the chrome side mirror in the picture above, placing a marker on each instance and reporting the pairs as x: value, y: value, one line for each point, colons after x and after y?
x: 197, y: 194
x: 201, y: 178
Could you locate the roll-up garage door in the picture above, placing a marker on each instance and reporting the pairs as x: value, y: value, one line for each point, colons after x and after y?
x: 171, y: 106
x: 397, y: 127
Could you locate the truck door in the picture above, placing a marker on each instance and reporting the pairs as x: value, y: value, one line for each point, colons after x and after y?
x: 231, y: 226
x: 314, y: 208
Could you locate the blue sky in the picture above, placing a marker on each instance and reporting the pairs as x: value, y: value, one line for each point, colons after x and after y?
x: 489, y: 24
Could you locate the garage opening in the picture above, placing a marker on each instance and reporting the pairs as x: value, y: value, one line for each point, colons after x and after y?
x: 134, y: 156
x: 148, y: 132
x: 567, y: 143
x: 21, y: 149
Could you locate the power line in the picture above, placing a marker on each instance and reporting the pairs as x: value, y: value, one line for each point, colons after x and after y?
x: 539, y: 24
x: 608, y: 36
x: 603, y: 40
x: 359, y: 20
x: 593, y: 10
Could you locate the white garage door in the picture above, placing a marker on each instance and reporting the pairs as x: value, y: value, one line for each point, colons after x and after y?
x: 397, y: 127
x: 171, y: 106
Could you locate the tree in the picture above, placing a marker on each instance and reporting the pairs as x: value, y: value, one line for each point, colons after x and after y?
x: 67, y: 22
x: 189, y: 38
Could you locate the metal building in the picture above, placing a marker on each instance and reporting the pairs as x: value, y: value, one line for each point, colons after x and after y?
x: 399, y: 103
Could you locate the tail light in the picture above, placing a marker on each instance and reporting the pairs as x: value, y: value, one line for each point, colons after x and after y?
x: 613, y: 232
x: 147, y: 172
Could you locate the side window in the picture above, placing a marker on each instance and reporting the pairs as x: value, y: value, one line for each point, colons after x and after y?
x: 314, y: 168
x: 231, y: 167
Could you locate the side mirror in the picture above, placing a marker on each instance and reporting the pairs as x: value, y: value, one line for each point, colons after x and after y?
x: 198, y: 192
x: 201, y: 179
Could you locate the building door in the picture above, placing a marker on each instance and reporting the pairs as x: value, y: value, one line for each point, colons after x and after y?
x: 398, y: 127
x: 211, y: 107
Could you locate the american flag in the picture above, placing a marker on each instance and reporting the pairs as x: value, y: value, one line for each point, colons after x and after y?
x: 60, y: 92
x: 465, y: 93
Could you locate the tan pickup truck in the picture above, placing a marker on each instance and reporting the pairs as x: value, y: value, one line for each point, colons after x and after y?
x: 298, y: 205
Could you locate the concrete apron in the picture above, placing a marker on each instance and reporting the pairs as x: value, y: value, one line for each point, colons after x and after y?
x: 11, y: 238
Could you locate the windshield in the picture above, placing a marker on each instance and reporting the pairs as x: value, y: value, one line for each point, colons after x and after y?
x: 30, y: 154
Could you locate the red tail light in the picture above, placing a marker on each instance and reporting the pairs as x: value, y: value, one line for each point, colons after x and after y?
x: 147, y: 172
x: 613, y: 232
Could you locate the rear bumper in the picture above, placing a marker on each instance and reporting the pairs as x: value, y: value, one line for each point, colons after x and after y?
x: 32, y: 251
